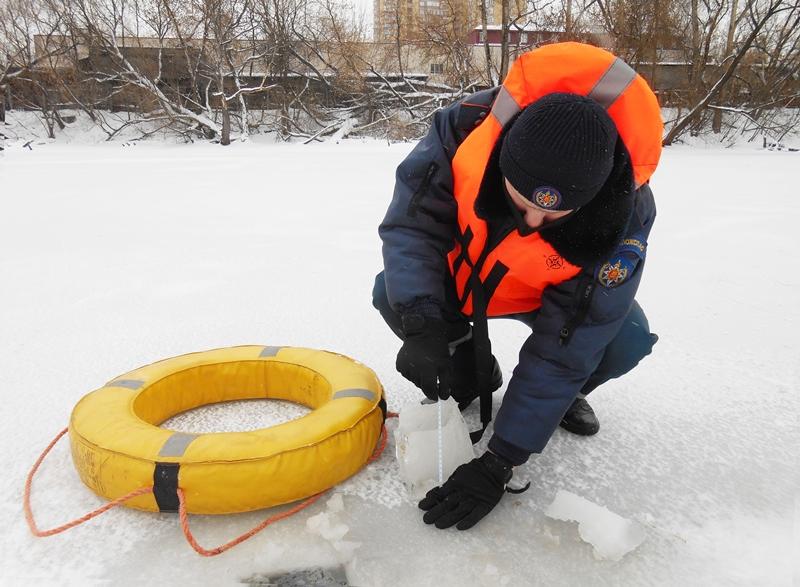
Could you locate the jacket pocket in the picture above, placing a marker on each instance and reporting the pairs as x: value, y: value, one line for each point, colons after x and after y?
x: 419, y: 193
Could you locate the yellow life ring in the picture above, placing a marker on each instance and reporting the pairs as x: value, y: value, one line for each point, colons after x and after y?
x: 117, y: 445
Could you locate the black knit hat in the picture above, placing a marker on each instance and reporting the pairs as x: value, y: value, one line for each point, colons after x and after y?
x: 559, y: 151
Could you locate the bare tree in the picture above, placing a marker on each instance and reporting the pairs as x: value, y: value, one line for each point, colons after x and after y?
x: 639, y: 29
x: 759, y: 15
x: 446, y: 42
x: 22, y: 62
x: 304, y: 68
x: 505, y: 21
x: 228, y: 51
x: 716, y: 123
x: 776, y: 64
x: 206, y: 52
x: 704, y: 18
x: 764, y: 96
x: 485, y: 41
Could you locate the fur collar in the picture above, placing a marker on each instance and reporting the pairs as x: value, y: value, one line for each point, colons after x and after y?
x: 594, y: 231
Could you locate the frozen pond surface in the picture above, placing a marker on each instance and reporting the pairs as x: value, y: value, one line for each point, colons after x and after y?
x: 113, y: 257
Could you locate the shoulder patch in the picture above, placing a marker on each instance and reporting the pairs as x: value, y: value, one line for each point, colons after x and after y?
x: 623, y: 263
x: 633, y: 244
x: 614, y: 272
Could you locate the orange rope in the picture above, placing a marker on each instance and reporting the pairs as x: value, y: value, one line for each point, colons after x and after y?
x: 183, y: 514
x: 380, y: 448
x: 93, y: 514
x: 238, y: 540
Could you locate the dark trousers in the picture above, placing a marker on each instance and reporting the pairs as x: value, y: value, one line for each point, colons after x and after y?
x: 633, y: 342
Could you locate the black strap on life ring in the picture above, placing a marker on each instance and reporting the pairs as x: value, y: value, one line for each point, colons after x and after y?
x: 165, y: 486
x: 383, y: 407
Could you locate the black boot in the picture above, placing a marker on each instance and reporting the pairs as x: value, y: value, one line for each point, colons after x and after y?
x: 580, y: 419
x: 465, y: 389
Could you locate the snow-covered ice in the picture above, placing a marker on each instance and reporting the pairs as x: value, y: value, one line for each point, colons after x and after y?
x: 611, y: 535
x: 114, y: 256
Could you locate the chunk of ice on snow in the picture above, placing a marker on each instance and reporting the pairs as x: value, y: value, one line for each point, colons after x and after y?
x: 326, y: 526
x: 346, y: 547
x: 611, y: 535
x: 335, y: 503
x: 417, y: 444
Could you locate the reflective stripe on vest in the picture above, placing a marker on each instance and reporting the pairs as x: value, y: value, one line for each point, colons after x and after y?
x: 529, y: 264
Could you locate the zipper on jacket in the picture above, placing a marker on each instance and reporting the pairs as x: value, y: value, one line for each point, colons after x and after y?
x: 585, y: 289
x: 413, y: 204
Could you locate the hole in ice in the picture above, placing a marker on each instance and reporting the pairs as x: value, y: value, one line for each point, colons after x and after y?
x: 335, y: 577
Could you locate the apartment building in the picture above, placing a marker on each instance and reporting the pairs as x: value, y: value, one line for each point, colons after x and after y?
x: 405, y: 20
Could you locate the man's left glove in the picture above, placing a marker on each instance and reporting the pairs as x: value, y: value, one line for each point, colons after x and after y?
x: 469, y: 494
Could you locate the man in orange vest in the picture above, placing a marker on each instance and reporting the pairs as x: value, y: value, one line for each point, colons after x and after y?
x: 538, y: 212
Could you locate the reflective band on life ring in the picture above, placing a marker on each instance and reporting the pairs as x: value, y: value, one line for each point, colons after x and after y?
x: 117, y: 445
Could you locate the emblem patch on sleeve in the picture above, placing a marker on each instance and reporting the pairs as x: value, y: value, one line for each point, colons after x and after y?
x: 623, y: 263
x: 615, y: 272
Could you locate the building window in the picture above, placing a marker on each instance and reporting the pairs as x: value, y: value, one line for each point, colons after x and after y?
x: 482, y: 37
x: 523, y: 38
x: 437, y: 68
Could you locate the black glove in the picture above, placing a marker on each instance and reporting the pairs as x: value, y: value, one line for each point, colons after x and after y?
x: 469, y: 494
x: 424, y: 359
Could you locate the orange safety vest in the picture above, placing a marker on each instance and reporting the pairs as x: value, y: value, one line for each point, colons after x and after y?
x: 516, y: 272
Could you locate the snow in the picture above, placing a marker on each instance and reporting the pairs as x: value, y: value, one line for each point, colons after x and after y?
x: 235, y: 416
x: 114, y: 257
x: 611, y: 535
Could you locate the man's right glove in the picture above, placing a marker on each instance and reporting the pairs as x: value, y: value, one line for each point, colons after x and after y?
x: 469, y: 494
x: 424, y: 359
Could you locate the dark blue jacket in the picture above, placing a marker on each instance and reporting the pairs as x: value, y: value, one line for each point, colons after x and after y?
x: 578, y: 318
